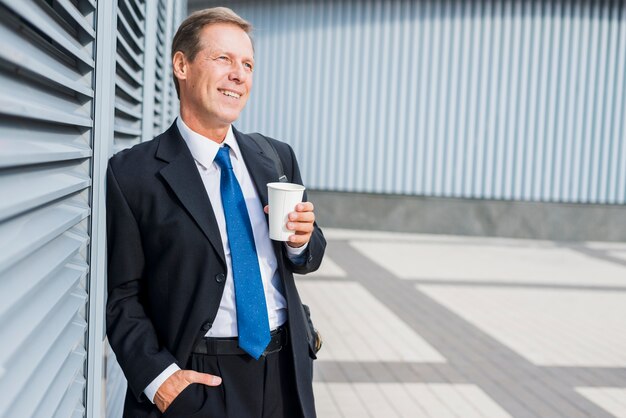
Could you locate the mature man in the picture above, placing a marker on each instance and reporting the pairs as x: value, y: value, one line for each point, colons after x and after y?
x: 203, y: 313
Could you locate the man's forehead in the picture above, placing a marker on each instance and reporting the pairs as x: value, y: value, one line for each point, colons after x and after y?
x: 219, y: 36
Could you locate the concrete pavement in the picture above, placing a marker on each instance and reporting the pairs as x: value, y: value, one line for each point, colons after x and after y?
x: 447, y: 326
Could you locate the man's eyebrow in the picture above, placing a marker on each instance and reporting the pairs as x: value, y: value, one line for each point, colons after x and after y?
x: 214, y: 51
x: 226, y: 52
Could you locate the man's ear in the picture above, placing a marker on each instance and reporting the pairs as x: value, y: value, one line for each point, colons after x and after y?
x: 179, y: 65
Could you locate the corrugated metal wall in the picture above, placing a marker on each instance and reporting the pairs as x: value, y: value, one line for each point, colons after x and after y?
x: 46, y: 119
x: 134, y: 80
x: 160, y: 68
x: 517, y: 100
x: 145, y: 82
x: 165, y: 101
x: 129, y: 72
x: 71, y: 92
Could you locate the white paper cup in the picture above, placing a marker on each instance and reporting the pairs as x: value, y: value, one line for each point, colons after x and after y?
x: 282, y: 199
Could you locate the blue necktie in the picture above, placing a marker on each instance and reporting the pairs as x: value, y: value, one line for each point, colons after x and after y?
x: 252, y: 321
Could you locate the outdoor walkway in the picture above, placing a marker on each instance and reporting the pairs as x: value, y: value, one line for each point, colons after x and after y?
x: 449, y: 326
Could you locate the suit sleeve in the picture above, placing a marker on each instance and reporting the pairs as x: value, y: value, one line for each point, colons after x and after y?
x: 129, y: 329
x: 317, y: 245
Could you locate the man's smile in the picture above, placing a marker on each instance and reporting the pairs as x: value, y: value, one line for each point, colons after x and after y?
x: 230, y: 93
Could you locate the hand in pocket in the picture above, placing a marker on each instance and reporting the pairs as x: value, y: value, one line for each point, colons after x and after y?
x: 178, y: 382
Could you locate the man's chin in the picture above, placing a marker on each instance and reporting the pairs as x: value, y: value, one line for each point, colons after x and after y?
x: 221, y: 116
x: 229, y: 118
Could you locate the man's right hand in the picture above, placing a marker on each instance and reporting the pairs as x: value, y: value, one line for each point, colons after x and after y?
x: 177, y: 382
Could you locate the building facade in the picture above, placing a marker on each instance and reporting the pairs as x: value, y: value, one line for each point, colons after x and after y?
x: 493, y: 117
x: 79, y: 80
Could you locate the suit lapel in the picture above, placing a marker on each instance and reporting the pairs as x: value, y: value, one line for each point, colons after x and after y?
x: 182, y: 175
x: 260, y: 166
x: 263, y: 171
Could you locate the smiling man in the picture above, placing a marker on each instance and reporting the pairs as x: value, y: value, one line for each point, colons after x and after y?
x: 203, y: 313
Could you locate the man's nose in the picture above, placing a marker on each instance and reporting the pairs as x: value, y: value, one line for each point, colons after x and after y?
x: 238, y: 74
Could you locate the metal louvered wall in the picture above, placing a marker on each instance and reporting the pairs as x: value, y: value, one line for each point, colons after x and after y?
x: 46, y: 116
x: 161, y: 67
x: 513, y: 100
x: 175, y: 13
x: 165, y: 104
x: 71, y: 93
x: 129, y: 73
x: 151, y: 87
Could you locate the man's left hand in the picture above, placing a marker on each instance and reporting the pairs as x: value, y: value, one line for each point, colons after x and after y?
x: 300, y: 221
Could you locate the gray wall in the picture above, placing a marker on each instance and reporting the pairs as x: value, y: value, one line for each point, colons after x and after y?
x: 77, y: 81
x: 511, y: 100
x: 498, y: 102
x: 480, y: 217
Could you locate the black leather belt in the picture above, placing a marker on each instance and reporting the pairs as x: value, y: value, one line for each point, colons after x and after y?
x: 230, y: 346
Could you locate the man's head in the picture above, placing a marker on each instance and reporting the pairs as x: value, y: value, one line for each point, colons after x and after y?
x: 213, y: 59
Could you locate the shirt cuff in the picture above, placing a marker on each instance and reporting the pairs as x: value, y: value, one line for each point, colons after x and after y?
x: 296, y: 255
x: 154, y: 386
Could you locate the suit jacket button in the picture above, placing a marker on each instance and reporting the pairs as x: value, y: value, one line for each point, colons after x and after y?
x: 206, y: 326
x: 220, y: 278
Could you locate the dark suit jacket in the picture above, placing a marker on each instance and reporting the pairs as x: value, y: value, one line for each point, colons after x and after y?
x: 166, y: 268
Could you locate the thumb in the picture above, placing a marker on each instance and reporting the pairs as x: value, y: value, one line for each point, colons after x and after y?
x: 206, y: 379
x: 266, y: 209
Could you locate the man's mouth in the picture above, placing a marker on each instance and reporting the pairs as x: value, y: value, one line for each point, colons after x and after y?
x: 230, y: 93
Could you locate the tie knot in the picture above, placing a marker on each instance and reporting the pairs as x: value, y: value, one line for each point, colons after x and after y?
x: 223, y: 158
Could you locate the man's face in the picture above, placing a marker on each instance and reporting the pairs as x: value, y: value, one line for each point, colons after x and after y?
x: 217, y: 83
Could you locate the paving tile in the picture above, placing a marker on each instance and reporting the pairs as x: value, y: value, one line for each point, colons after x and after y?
x: 618, y: 254
x: 325, y: 402
x: 379, y: 403
x: 548, y: 327
x: 328, y: 269
x: 348, y: 401
x: 357, y: 327
x: 429, y: 402
x: 606, y: 246
x: 466, y: 262
x: 407, y: 400
x: 612, y: 400
x: 401, y: 400
x: 527, y: 329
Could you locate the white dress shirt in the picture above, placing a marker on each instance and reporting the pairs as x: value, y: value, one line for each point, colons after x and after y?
x: 204, y: 151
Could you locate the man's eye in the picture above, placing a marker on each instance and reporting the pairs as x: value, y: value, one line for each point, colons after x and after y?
x: 249, y: 66
x: 223, y: 58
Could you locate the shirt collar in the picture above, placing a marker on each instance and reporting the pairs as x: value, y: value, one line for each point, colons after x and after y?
x: 204, y: 149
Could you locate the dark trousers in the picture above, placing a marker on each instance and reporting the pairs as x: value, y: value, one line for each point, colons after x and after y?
x: 263, y: 388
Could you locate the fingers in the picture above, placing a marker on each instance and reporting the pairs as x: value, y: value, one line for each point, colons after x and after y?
x: 177, y: 382
x: 303, y: 213
x: 300, y: 227
x: 301, y: 222
x: 305, y: 207
x: 170, y: 389
x: 204, y: 378
x: 298, y: 240
x: 303, y: 232
x: 302, y: 216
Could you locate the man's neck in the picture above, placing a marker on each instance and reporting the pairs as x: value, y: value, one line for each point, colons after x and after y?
x: 216, y: 133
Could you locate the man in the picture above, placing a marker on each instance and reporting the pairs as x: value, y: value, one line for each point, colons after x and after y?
x: 203, y: 313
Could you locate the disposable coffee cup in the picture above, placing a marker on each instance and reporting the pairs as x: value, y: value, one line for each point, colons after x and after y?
x: 282, y: 199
